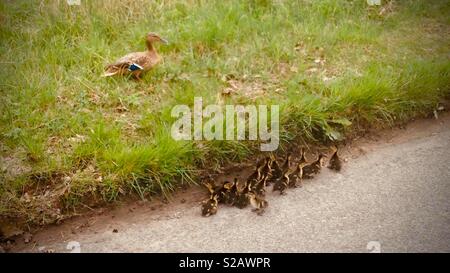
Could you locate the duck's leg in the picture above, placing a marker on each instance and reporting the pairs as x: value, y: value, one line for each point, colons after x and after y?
x: 293, y: 182
x: 299, y: 182
x: 137, y: 76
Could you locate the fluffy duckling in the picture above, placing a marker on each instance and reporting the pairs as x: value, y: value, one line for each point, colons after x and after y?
x: 277, y: 172
x: 257, y: 175
x: 260, y: 187
x: 287, y: 163
x: 233, y: 193
x: 209, y: 207
x: 242, y: 199
x: 303, y: 158
x: 266, y: 170
x: 226, y: 192
x: 281, y: 185
x: 210, y: 186
x: 313, y: 168
x: 137, y: 63
x: 296, y: 177
x: 258, y: 203
x: 335, y: 162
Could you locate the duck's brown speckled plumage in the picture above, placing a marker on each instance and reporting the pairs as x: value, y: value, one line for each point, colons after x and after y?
x: 146, y: 59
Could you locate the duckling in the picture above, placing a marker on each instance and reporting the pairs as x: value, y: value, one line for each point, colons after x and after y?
x: 335, y: 162
x: 209, y: 207
x: 256, y: 175
x: 233, y: 192
x: 287, y: 163
x: 281, y: 185
x: 303, y: 158
x: 266, y: 173
x: 277, y: 173
x: 242, y: 199
x: 258, y: 203
x: 226, y: 194
x: 260, y: 188
x: 296, y: 176
x: 137, y: 63
x: 266, y: 170
x: 221, y: 192
x: 210, y: 186
x: 313, y: 168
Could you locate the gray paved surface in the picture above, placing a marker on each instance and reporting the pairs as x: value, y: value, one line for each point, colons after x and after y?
x: 398, y: 196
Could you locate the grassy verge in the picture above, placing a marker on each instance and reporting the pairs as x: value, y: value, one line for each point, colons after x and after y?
x: 70, y: 138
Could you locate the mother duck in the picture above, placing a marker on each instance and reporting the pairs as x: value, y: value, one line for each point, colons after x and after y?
x: 137, y: 62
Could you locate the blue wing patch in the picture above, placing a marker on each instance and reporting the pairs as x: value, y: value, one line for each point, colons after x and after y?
x: 134, y: 67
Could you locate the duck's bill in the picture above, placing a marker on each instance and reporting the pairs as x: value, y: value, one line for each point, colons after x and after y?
x: 164, y: 41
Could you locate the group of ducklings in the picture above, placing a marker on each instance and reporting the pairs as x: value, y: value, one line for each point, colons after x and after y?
x: 268, y: 171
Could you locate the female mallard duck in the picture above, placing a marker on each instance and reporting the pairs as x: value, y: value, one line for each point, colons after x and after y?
x: 137, y: 62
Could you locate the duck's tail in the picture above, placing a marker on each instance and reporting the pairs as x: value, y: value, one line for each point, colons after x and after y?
x: 109, y: 74
x: 110, y: 70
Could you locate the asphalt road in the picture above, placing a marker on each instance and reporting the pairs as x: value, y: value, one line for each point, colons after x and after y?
x: 393, y: 198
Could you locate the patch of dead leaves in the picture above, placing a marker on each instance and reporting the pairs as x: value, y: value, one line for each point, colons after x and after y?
x: 250, y: 88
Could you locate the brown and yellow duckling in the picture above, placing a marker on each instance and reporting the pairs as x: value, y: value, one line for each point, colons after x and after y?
x: 335, y: 162
x: 266, y: 173
x: 295, y: 176
x: 313, y: 168
x: 287, y: 163
x: 277, y: 172
x: 295, y: 179
x: 257, y: 174
x: 260, y: 187
x: 227, y: 192
x: 258, y: 203
x: 210, y: 186
x: 266, y: 170
x: 283, y: 183
x: 242, y: 198
x: 137, y: 63
x: 209, y: 207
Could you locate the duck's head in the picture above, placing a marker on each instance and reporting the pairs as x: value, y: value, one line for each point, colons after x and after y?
x: 321, y: 158
x: 153, y: 37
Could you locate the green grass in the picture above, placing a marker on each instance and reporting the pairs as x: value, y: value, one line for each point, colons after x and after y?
x: 333, y: 67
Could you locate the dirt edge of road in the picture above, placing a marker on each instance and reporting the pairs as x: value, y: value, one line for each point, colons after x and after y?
x: 100, y: 220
